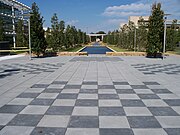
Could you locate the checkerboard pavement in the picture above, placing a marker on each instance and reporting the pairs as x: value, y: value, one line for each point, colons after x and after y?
x: 172, y: 69
x: 87, y: 101
x: 60, y: 108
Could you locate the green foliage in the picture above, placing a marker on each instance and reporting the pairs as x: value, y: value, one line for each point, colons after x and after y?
x: 142, y: 35
x: 2, y: 36
x: 61, y: 38
x: 172, y: 36
x: 37, y: 32
x: 21, y: 39
x: 156, y: 29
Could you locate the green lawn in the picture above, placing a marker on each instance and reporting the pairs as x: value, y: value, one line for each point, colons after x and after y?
x: 117, y: 49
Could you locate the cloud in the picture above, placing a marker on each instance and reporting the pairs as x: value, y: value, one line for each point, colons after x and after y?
x: 118, y: 14
x: 72, y: 22
x: 127, y: 10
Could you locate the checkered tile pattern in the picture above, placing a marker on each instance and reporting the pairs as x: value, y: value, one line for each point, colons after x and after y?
x: 170, y: 69
x: 28, y: 68
x: 60, y: 108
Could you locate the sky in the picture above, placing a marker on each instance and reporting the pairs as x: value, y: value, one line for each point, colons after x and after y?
x: 100, y: 15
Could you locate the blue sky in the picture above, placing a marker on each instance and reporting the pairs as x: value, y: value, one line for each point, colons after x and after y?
x: 96, y: 15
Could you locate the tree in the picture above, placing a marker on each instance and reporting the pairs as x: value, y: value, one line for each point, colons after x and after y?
x: 172, y: 35
x: 141, y: 35
x: 2, y: 36
x: 55, y: 32
x: 37, y: 33
x: 61, y: 34
x: 156, y: 29
x: 20, y: 35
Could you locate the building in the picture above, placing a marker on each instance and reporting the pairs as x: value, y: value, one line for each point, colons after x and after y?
x: 136, y: 19
x: 10, y: 12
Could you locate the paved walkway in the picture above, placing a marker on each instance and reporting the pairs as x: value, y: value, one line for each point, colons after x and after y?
x: 91, y: 95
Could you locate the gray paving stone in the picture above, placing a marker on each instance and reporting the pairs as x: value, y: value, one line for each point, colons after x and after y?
x: 20, y: 101
x: 67, y: 96
x: 148, y: 96
x: 137, y: 111
x: 172, y: 102
x: 111, y: 111
x: 85, y: 111
x: 34, y: 110
x: 163, y: 111
x: 151, y: 83
x: 54, y: 121
x: 86, y: 102
x: 88, y: 96
x: 143, y: 122
x: 169, y: 122
x: 25, y: 120
x: 172, y: 131
x: 82, y: 131
x: 125, y: 91
x: 45, y: 102
x: 5, y: 118
x: 84, y: 122
x: 150, y: 131
x: 52, y: 90
x: 89, y: 83
x: 161, y: 91
x: 12, y: 108
x: 68, y: 86
x: 108, y: 96
x: 116, y: 131
x: 48, y: 95
x: 64, y: 102
x: 154, y: 103
x: 48, y: 131
x: 113, y: 122
x: 89, y: 91
x: 59, y: 110
x: 16, y: 130
x: 132, y: 103
x: 40, y: 86
x: 59, y: 82
x: 106, y: 87
x: 28, y: 95
x: 120, y: 83
x: 139, y: 87
x: 108, y: 103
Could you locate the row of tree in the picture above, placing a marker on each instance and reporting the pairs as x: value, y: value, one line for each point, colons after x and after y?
x: 147, y: 36
x: 60, y: 37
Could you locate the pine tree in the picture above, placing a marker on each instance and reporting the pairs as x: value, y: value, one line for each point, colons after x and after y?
x: 2, y: 36
x: 37, y: 32
x: 20, y: 35
x: 55, y: 33
x: 156, y: 29
x: 141, y: 35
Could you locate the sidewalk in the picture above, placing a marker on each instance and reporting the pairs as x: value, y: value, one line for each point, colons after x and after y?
x: 90, y: 95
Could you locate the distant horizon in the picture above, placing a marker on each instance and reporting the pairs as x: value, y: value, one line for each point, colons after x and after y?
x: 94, y: 16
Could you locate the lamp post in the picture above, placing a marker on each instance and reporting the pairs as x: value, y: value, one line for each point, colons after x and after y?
x: 164, y: 45
x: 29, y: 31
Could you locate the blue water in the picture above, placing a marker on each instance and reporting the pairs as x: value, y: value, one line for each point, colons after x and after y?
x: 96, y: 49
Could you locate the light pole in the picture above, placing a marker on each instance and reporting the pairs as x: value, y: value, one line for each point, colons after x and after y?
x: 29, y: 31
x: 164, y: 45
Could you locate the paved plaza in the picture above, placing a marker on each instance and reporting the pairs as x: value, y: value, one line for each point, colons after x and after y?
x: 90, y: 95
